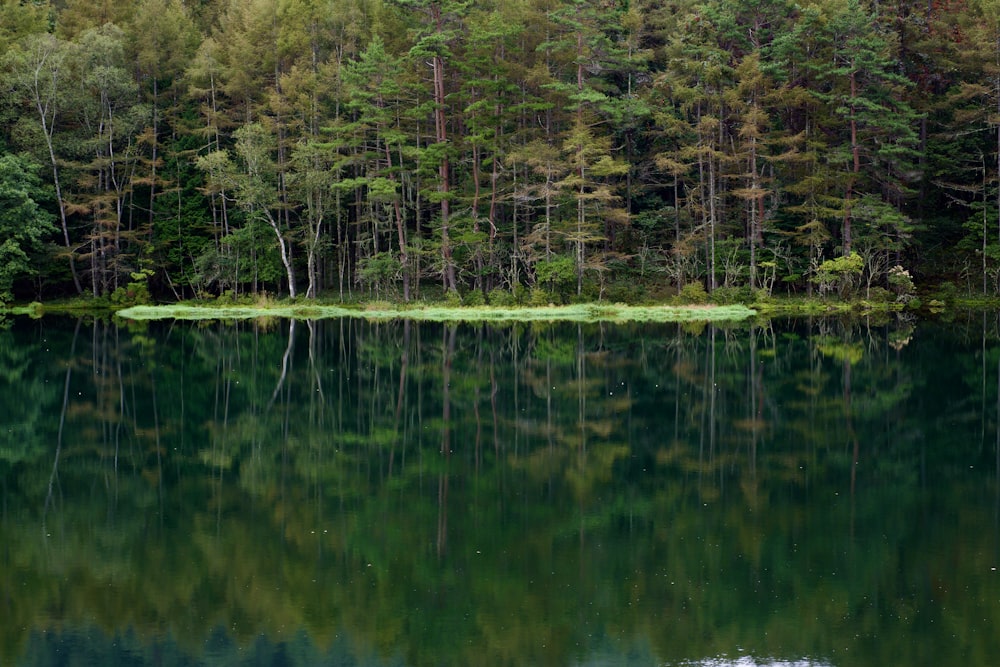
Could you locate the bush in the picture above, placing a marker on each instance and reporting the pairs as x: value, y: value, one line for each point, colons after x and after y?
x: 501, y: 298
x: 839, y: 273
x: 452, y: 299
x: 947, y: 292
x: 131, y: 295
x: 625, y: 292
x: 694, y: 292
x: 474, y: 298
x: 880, y: 295
x: 521, y: 294
x: 730, y: 295
x: 901, y: 281
x: 539, y: 297
x: 135, y: 292
x: 380, y: 271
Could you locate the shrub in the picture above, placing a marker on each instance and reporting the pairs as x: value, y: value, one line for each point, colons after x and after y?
x: 539, y: 297
x: 694, y: 292
x: 879, y: 295
x: 135, y: 292
x: 900, y: 281
x: 730, y: 295
x: 521, y: 294
x: 947, y: 292
x: 622, y: 291
x: 839, y: 273
x: 474, y: 298
x: 501, y: 298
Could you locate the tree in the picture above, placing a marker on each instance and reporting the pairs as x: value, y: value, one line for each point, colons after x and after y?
x: 592, y: 166
x: 41, y: 73
x: 253, y: 180
x: 110, y: 116
x: 164, y: 40
x: 434, y: 47
x: 24, y: 225
x: 19, y: 19
x: 375, y: 100
x: 865, y: 98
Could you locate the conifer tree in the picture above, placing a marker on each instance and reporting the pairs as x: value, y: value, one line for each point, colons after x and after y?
x: 865, y: 96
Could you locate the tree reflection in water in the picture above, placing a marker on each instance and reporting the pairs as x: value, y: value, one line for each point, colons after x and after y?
x: 427, y: 494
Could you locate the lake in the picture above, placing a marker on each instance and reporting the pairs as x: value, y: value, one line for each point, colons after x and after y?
x: 343, y: 492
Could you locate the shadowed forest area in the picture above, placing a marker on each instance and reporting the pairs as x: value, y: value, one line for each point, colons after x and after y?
x: 507, y: 150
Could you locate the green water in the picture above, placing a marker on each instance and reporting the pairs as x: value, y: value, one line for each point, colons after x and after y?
x: 353, y: 493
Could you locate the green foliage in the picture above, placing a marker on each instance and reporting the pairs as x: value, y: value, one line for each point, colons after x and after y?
x: 880, y: 295
x: 24, y: 224
x: 726, y: 295
x: 380, y: 271
x: 840, y: 273
x: 319, y: 448
x: 501, y: 298
x: 946, y: 293
x: 577, y: 146
x: 694, y: 292
x: 625, y: 291
x: 901, y: 282
x: 538, y: 297
x: 135, y: 293
x: 474, y: 298
x: 556, y: 276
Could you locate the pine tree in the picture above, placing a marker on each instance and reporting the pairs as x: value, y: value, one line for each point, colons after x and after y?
x: 440, y: 19
x: 865, y: 97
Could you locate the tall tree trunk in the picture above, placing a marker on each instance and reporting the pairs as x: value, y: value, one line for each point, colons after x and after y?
x: 856, y: 167
x: 47, y: 130
x: 441, y: 137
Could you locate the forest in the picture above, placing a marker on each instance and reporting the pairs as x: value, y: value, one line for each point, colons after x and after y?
x: 501, y: 151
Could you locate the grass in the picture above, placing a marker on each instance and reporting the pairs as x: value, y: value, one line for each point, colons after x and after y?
x: 432, y: 313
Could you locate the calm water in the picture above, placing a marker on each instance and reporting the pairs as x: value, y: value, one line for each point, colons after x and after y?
x: 351, y: 493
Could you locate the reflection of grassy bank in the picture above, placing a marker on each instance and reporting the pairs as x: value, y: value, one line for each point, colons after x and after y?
x: 574, y: 313
x: 817, y: 306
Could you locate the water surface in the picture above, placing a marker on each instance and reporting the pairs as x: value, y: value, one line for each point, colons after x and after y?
x: 354, y: 493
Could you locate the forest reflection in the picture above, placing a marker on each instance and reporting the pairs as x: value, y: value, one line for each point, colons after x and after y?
x: 816, y: 492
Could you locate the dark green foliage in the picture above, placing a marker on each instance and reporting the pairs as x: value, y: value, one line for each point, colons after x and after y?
x: 262, y: 492
x: 24, y: 224
x: 481, y: 145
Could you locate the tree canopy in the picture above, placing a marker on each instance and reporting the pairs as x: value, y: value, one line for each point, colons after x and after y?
x: 575, y: 149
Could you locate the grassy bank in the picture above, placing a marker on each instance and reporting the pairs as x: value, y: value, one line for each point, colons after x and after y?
x: 432, y: 313
x: 698, y: 308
